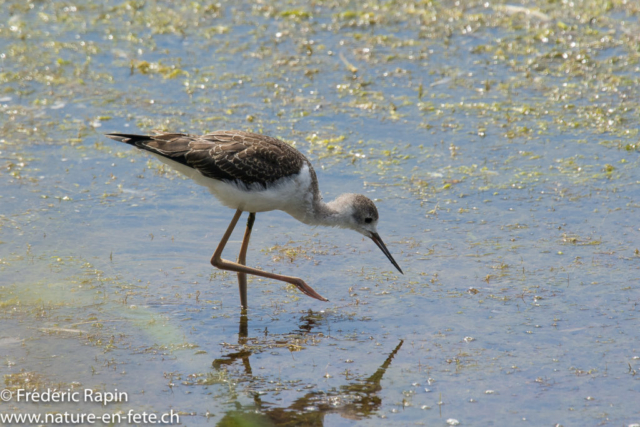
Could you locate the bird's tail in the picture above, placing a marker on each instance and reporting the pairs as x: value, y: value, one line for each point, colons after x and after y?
x: 128, y: 138
x: 171, y: 145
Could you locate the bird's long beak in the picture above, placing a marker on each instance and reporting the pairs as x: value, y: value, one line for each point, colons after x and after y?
x: 378, y: 241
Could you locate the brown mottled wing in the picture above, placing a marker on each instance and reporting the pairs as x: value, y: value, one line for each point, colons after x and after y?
x: 247, y: 157
x: 225, y: 155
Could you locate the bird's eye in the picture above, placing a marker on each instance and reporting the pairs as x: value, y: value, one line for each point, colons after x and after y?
x: 368, y: 220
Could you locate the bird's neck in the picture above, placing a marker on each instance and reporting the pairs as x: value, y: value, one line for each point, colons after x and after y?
x: 315, y: 211
x: 330, y: 214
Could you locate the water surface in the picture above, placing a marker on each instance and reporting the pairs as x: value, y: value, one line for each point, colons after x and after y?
x: 499, y: 141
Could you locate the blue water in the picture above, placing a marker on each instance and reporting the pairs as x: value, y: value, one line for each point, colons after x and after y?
x: 508, y: 194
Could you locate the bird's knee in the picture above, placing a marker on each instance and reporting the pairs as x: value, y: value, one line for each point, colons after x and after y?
x: 217, y: 262
x: 298, y: 282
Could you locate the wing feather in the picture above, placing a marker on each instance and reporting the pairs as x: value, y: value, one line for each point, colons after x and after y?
x: 225, y: 155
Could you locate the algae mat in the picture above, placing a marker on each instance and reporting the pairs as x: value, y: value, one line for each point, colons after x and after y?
x: 499, y: 141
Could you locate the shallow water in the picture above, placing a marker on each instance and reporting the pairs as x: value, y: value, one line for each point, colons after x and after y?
x: 500, y: 143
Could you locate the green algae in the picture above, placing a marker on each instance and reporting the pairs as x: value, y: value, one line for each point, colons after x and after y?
x: 456, y: 112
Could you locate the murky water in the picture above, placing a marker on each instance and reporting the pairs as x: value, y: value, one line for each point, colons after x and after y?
x: 500, y: 142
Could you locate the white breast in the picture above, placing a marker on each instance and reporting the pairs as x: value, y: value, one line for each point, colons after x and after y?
x: 292, y: 194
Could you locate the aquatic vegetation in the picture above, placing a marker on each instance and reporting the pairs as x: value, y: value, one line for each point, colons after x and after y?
x: 502, y: 139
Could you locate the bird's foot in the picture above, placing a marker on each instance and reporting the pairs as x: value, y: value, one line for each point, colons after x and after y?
x: 307, y: 290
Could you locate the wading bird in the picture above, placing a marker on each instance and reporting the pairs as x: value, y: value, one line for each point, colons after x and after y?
x: 257, y: 173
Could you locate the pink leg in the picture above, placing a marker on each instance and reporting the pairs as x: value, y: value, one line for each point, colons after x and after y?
x: 223, y: 264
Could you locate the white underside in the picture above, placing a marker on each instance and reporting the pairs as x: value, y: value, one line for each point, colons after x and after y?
x: 291, y: 194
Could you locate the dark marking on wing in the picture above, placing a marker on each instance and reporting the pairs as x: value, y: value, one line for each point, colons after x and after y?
x: 225, y: 155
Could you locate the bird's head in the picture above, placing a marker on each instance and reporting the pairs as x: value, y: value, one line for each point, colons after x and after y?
x: 359, y: 213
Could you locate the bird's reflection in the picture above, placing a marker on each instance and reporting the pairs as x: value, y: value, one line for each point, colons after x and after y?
x: 243, y: 354
x: 356, y: 400
x: 245, y: 348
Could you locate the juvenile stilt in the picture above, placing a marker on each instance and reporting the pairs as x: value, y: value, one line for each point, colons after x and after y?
x: 257, y: 173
